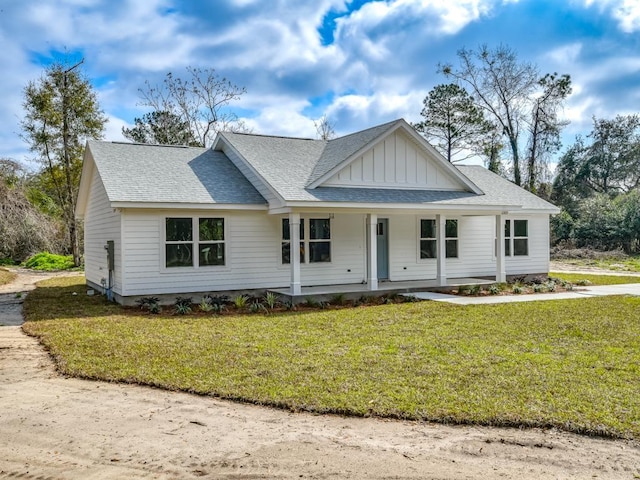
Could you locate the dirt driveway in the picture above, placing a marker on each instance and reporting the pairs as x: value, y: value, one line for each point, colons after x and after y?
x: 60, y: 428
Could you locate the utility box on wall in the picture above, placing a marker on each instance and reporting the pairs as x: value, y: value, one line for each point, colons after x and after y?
x: 111, y: 262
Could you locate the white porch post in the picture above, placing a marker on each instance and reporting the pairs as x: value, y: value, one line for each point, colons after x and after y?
x: 441, y: 255
x: 294, y: 252
x: 372, y: 251
x: 501, y: 274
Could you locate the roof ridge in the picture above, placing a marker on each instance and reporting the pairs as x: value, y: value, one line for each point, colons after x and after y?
x: 285, y: 137
x: 366, y: 129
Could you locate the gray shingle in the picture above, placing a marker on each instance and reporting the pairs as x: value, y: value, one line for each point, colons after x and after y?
x: 164, y: 174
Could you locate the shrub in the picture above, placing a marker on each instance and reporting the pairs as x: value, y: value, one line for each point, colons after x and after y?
x: 517, y: 289
x: 206, y: 305
x: 151, y: 304
x: 494, y: 289
x: 182, y: 305
x: 49, y: 261
x: 583, y: 282
x: 338, y: 299
x: 271, y: 299
x: 538, y: 287
x: 240, y: 301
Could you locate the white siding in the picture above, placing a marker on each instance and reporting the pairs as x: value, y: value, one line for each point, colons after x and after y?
x: 253, y: 255
x: 253, y: 252
x: 476, y: 249
x: 396, y: 162
x: 101, y: 223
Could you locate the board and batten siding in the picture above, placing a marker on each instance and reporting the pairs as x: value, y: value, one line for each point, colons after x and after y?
x: 253, y: 254
x: 396, y: 162
x: 101, y: 223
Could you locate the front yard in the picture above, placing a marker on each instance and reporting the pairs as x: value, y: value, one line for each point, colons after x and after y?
x: 6, y: 276
x: 570, y: 364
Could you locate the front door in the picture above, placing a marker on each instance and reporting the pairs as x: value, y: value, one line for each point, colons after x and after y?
x: 383, y: 248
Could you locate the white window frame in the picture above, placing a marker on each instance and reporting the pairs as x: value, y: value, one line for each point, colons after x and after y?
x: 420, y: 238
x: 307, y: 240
x: 195, y: 243
x: 510, y: 237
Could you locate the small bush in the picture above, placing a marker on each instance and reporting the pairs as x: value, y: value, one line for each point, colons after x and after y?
x: 338, y: 299
x: 7, y: 262
x: 182, y: 305
x: 539, y: 287
x: 49, y: 261
x: 551, y: 286
x: 151, y: 304
x: 206, y: 305
x: 583, y: 282
x: 240, y: 301
x: 494, y: 289
x: 271, y: 299
x: 517, y: 289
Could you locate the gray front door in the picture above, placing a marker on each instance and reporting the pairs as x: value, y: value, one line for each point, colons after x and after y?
x: 383, y: 248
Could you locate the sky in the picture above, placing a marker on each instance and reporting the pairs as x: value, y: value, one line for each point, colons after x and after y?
x: 359, y: 62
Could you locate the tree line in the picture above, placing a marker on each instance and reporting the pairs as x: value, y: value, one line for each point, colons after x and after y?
x: 494, y: 106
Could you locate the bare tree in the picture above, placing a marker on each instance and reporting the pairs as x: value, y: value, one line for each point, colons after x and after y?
x: 503, y: 87
x: 199, y: 102
x: 324, y: 128
x: 544, y: 127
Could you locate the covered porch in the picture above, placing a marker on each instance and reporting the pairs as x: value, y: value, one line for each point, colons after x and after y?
x: 352, y: 290
x: 429, y: 252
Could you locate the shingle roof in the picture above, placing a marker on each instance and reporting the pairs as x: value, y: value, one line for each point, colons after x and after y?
x: 165, y: 174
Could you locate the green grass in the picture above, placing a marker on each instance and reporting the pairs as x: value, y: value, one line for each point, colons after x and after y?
x: 596, y: 279
x: 49, y: 261
x: 6, y: 276
x: 571, y: 364
x: 628, y: 264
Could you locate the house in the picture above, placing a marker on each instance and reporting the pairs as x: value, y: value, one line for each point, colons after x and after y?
x: 374, y: 210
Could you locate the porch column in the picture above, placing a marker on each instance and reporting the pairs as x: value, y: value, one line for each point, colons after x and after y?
x: 441, y: 254
x: 294, y: 252
x: 372, y: 251
x: 501, y: 274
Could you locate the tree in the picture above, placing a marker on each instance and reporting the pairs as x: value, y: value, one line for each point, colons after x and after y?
x: 544, y: 128
x: 199, y: 103
x: 505, y: 89
x: 162, y: 128
x: 61, y: 112
x: 609, y: 164
x: 24, y: 230
x: 324, y: 128
x: 453, y: 122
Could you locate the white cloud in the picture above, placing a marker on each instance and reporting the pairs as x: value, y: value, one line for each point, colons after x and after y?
x: 626, y: 12
x: 565, y: 54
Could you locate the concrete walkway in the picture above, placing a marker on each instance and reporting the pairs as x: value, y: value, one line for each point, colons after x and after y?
x: 579, y: 292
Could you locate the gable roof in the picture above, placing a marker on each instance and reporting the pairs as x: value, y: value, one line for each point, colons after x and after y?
x: 148, y: 174
x: 338, y: 150
x: 136, y: 175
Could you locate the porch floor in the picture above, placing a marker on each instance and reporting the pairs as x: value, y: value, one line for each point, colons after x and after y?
x: 386, y: 287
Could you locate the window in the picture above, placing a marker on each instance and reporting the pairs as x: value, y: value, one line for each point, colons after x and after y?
x: 317, y: 241
x: 179, y: 242
x: 211, y: 241
x: 516, y: 237
x: 286, y: 241
x: 428, y: 239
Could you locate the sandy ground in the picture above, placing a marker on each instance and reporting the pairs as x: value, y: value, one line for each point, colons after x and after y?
x: 53, y: 427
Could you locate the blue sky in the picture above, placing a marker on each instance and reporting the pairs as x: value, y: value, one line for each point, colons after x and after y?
x: 360, y: 62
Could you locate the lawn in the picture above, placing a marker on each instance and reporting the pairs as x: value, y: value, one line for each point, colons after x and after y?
x: 571, y: 364
x: 595, y: 279
x: 621, y: 264
x: 6, y: 276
